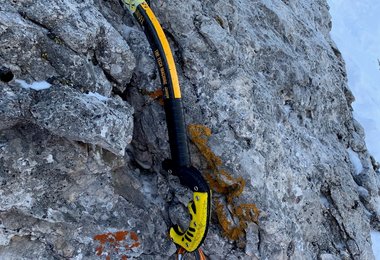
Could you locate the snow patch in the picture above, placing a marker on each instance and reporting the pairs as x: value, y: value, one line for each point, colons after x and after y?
x: 49, y: 158
x: 38, y: 85
x: 97, y: 95
x: 297, y: 191
x: 363, y: 192
x: 354, y: 158
x: 375, y: 237
x: 104, y: 131
x: 324, y: 201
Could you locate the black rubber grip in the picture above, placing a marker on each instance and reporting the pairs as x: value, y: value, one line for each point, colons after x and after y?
x: 173, y: 106
x: 177, y: 133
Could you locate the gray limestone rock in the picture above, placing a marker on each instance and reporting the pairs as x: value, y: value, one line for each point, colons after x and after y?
x: 80, y: 162
x: 13, y: 106
x: 87, y: 118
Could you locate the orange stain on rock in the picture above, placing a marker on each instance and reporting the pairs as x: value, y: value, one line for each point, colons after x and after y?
x: 225, y: 184
x: 111, y: 243
x: 157, y: 95
x: 134, y: 236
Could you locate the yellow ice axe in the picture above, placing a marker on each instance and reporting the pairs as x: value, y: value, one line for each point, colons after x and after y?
x: 180, y: 163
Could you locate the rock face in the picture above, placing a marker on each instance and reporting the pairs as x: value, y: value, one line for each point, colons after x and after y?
x: 80, y: 162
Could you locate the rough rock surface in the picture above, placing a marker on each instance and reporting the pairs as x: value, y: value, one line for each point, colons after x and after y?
x: 80, y: 180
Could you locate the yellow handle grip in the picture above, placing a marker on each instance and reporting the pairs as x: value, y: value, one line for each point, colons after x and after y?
x: 199, y: 209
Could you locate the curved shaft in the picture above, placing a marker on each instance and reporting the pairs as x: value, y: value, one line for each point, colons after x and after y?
x: 170, y: 84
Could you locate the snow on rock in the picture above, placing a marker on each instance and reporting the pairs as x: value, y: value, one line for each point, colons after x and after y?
x: 49, y: 158
x: 355, y: 160
x: 97, y: 95
x: 38, y: 85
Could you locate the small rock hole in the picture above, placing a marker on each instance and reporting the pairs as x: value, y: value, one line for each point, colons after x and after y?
x: 6, y: 74
x: 309, y: 114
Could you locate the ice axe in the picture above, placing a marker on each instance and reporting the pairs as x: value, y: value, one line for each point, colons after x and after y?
x: 188, y: 240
